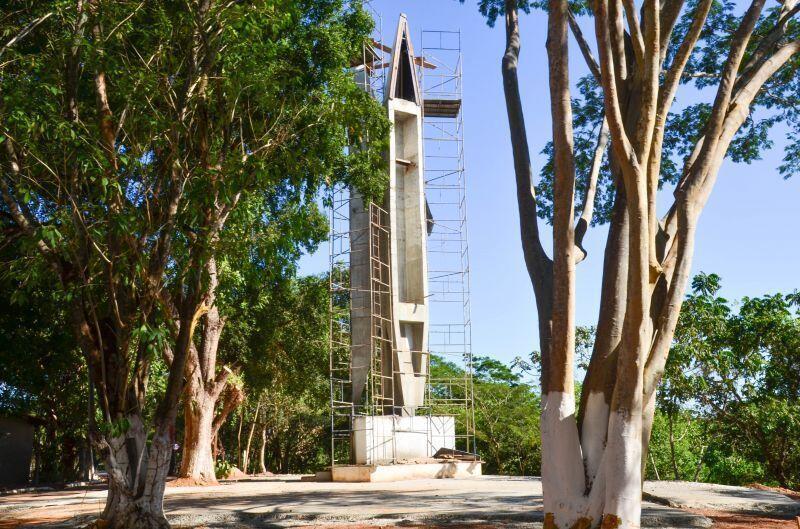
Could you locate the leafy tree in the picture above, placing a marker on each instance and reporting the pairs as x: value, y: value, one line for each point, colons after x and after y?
x: 42, y: 378
x: 134, y: 135
x: 283, y: 328
x: 506, y: 422
x: 742, y: 369
x: 506, y: 419
x: 747, y: 64
x: 679, y: 445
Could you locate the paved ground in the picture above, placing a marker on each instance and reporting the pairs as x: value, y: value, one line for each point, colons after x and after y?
x: 689, y: 495
x: 286, y: 501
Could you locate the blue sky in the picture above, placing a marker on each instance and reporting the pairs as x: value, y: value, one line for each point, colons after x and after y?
x: 747, y: 233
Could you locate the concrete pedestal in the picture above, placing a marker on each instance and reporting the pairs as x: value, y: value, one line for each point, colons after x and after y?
x: 434, y: 469
x: 384, y: 439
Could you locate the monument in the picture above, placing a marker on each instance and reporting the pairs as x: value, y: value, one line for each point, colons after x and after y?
x: 394, y: 432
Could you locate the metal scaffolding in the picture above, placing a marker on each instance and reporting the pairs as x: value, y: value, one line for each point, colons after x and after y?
x: 450, y: 336
x: 449, y: 390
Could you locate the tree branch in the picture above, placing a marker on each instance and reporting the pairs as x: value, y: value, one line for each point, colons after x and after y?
x: 586, y: 51
x: 563, y: 340
x: 25, y: 222
x: 766, y: 44
x: 538, y: 264
x: 675, y: 72
x: 670, y: 11
x: 635, y: 26
x: 741, y: 38
x: 24, y: 33
x: 587, y: 210
x: 620, y: 141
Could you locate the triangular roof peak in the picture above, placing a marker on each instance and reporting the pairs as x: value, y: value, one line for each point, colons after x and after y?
x: 402, y: 82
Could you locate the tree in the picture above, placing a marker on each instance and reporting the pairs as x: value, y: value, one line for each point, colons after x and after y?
x: 258, y: 250
x: 132, y: 134
x: 39, y: 379
x: 506, y: 423
x: 592, y: 460
x: 742, y: 369
x: 283, y: 327
x: 505, y: 405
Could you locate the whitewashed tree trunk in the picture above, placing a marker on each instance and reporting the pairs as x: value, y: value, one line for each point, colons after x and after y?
x: 592, y: 465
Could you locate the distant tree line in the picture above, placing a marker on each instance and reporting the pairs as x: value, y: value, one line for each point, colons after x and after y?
x: 728, y: 412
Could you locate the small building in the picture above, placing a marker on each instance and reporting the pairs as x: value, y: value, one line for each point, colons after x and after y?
x: 16, y: 451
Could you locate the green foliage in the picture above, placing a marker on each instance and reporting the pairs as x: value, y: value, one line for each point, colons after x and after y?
x: 676, y: 447
x: 775, y: 105
x: 221, y: 129
x: 506, y: 415
x: 222, y: 468
x: 42, y: 377
x: 732, y: 468
x: 116, y: 428
x: 279, y: 333
x: 739, y: 371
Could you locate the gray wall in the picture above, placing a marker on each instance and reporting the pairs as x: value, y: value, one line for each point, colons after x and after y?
x: 16, y: 448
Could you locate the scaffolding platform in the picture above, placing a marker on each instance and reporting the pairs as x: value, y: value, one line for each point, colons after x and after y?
x: 441, y: 108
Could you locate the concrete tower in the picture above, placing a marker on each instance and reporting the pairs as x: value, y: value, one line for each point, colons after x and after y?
x: 382, y: 408
x: 406, y: 207
x: 405, y: 310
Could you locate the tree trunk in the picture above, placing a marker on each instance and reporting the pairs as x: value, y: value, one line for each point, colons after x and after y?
x: 136, y: 477
x: 204, y: 385
x: 262, y: 468
x: 198, y: 415
x: 239, y: 436
x: 675, y: 471
x: 246, y: 454
x: 232, y: 397
x: 592, y: 468
x: 699, y: 463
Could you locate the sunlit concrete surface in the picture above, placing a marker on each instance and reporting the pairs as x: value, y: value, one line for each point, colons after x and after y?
x: 288, y: 501
x: 691, y: 495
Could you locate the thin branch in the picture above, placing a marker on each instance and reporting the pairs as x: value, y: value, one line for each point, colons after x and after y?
x: 24, y: 33
x: 136, y: 10
x: 587, y: 210
x: 586, y: 51
x: 27, y: 223
x: 637, y: 39
x: 767, y: 43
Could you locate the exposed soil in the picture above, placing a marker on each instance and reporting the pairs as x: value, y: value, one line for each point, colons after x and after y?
x: 795, y: 495
x: 422, y: 504
x: 362, y: 526
x: 235, y: 473
x: 40, y: 518
x: 728, y: 520
x: 190, y: 482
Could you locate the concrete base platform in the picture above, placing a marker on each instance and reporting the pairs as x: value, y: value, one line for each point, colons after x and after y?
x: 405, y: 471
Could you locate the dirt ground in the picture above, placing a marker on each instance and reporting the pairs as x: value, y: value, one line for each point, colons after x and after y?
x: 728, y: 520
